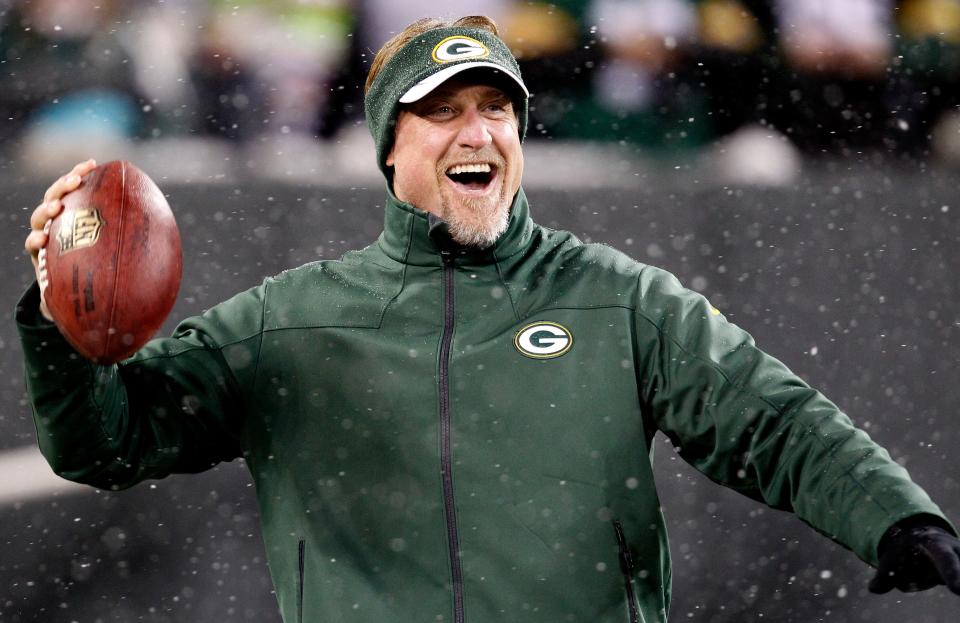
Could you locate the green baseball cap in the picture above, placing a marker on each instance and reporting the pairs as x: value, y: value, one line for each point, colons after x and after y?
x: 427, y: 61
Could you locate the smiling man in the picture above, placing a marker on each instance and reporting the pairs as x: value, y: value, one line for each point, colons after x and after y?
x: 452, y: 146
x: 455, y: 423
x: 457, y: 155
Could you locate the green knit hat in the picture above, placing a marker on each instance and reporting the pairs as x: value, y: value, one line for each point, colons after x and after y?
x: 427, y: 61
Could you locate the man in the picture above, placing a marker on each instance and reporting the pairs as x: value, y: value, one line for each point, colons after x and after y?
x: 454, y: 423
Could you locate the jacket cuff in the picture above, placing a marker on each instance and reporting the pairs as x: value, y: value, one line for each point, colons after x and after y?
x: 28, y: 308
x: 906, y: 520
x: 38, y: 336
x: 915, y: 521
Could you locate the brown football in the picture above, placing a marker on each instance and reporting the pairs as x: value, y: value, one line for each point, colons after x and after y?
x: 113, y: 263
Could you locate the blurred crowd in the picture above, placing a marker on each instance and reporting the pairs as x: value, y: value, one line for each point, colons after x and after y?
x: 827, y: 75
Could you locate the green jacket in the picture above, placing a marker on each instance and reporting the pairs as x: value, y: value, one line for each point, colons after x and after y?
x: 413, y: 464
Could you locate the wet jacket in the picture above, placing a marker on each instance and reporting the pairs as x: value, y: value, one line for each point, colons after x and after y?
x: 443, y: 434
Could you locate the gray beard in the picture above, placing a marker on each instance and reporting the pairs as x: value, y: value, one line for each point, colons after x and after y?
x: 485, y: 226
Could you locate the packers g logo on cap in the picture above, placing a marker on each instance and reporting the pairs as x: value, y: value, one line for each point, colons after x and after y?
x: 543, y: 340
x: 458, y: 48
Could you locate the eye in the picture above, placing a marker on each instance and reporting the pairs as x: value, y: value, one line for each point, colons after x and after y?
x: 440, y: 110
x: 498, y: 106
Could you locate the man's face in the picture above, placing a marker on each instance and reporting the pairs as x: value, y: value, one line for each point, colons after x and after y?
x: 457, y: 154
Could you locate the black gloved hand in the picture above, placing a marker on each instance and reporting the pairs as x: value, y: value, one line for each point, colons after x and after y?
x: 917, y: 554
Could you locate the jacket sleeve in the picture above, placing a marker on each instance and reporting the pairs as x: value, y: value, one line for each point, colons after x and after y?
x: 177, y: 405
x: 742, y: 418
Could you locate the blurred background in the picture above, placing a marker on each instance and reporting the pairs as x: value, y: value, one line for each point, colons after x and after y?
x: 216, y: 89
x: 796, y: 161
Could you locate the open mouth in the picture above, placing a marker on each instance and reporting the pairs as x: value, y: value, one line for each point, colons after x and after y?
x: 472, y: 177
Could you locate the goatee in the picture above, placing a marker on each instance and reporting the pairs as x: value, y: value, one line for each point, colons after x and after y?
x: 478, y: 222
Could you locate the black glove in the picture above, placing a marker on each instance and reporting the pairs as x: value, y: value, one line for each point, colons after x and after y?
x: 916, y: 554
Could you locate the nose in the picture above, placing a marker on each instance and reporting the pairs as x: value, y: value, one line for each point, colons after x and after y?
x: 474, y: 132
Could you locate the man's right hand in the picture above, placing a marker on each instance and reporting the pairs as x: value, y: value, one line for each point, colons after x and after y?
x: 36, y: 241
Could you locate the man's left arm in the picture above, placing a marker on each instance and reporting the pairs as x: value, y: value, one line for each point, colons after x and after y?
x: 742, y: 418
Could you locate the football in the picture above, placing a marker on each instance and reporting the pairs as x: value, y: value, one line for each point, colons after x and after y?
x: 114, y: 263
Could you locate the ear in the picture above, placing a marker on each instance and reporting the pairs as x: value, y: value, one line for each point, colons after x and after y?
x: 394, y: 124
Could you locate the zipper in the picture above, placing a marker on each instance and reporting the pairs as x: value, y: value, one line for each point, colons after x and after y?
x: 446, y: 462
x: 626, y: 567
x: 301, y: 557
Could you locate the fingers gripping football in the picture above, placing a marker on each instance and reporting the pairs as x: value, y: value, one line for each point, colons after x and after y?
x: 41, y: 218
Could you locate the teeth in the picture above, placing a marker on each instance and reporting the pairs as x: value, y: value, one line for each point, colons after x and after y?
x: 469, y: 168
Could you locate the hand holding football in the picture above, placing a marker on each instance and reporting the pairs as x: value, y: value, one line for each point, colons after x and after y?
x: 113, y: 263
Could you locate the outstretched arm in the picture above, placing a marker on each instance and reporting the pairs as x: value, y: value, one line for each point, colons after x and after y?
x: 175, y: 406
x: 742, y: 418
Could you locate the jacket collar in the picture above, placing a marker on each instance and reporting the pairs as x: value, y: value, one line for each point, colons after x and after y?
x: 413, y: 236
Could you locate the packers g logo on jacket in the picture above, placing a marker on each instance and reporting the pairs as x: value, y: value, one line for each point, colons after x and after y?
x: 543, y: 340
x: 458, y: 48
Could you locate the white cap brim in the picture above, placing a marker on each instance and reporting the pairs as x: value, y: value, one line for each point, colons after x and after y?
x: 428, y: 84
